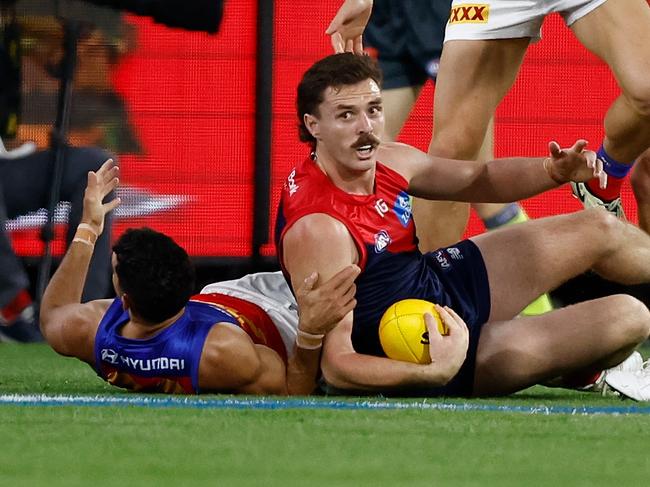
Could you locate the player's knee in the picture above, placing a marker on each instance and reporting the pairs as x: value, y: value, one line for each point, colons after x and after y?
x: 639, y: 97
x: 456, y: 144
x: 605, y: 224
x: 632, y: 318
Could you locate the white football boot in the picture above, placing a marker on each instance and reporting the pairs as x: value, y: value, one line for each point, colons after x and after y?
x: 634, y: 363
x: 590, y: 200
x: 633, y: 384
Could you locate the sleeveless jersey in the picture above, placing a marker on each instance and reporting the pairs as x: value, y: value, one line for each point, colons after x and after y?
x: 169, y: 361
x: 392, y: 267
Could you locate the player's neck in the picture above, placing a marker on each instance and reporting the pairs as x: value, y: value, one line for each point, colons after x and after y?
x: 139, y: 329
x: 354, y: 181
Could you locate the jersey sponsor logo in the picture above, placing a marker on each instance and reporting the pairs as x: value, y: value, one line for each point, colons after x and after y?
x: 455, y: 253
x: 402, y: 208
x: 144, y: 365
x: 469, y: 13
x: 381, y: 207
x: 442, y: 260
x: 382, y: 241
x: 109, y: 355
x: 291, y: 182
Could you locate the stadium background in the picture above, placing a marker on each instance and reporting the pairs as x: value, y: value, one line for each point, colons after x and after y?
x: 189, y: 100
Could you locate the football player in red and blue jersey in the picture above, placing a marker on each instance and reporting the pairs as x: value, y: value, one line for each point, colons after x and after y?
x: 347, y: 203
x: 157, y: 337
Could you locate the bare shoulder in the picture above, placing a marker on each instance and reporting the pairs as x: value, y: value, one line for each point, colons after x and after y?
x: 315, y: 226
x: 402, y: 158
x: 318, y: 242
x: 398, y: 152
x: 71, y: 329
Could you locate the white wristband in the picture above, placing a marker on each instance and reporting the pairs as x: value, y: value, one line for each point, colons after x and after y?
x: 309, y: 341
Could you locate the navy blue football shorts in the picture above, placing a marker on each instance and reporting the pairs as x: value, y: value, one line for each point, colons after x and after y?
x: 406, y: 37
x: 461, y: 270
x: 465, y: 288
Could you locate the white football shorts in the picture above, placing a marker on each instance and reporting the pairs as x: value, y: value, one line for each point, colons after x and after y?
x: 509, y: 19
x: 269, y: 291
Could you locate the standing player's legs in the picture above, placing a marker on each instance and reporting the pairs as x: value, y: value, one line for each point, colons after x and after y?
x: 542, y: 254
x: 618, y: 32
x: 473, y: 78
x: 398, y: 103
x: 488, y: 212
x: 640, y: 180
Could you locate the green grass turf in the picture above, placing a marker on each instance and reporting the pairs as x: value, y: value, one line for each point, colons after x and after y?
x: 124, y: 446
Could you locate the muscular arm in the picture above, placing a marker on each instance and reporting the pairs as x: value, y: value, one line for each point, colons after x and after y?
x: 231, y: 362
x: 320, y: 242
x: 301, y: 263
x: 345, y: 369
x: 321, y: 309
x: 498, y: 181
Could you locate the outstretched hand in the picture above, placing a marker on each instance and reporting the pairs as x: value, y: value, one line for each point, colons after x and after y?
x: 100, y: 184
x: 347, y: 27
x: 321, y: 309
x: 574, y: 164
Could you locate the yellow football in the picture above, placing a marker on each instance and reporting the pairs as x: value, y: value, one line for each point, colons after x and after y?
x: 403, y: 333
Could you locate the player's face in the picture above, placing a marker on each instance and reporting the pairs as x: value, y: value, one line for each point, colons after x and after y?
x: 350, y: 124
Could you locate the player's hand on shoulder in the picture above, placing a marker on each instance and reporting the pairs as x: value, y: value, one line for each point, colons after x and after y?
x: 574, y: 164
x: 323, y: 307
x: 100, y: 184
x: 347, y: 27
x: 448, y: 352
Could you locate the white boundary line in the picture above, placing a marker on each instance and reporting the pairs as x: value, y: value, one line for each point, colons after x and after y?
x: 194, y: 402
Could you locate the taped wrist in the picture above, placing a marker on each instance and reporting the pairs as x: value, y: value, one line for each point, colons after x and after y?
x: 85, y: 234
x: 309, y: 341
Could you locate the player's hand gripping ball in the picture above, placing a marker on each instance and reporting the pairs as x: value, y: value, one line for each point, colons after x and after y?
x: 403, y: 333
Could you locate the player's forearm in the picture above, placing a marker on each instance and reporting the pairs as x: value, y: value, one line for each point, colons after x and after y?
x: 366, y: 372
x: 498, y: 181
x: 507, y: 180
x: 66, y: 285
x: 302, y: 370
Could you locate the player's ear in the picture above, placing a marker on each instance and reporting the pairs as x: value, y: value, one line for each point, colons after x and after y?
x: 126, y: 302
x: 311, y: 123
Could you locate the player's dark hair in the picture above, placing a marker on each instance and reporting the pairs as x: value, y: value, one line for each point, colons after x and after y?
x: 335, y: 71
x: 155, y: 272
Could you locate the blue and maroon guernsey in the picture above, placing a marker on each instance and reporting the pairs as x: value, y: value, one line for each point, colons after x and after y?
x: 169, y: 361
x: 392, y: 267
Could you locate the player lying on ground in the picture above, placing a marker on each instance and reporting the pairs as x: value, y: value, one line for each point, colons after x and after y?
x: 156, y: 337
x: 342, y: 206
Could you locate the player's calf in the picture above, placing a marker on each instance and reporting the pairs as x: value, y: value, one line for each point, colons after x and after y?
x: 640, y: 178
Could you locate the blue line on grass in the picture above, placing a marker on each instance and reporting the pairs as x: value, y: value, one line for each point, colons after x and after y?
x: 303, y: 403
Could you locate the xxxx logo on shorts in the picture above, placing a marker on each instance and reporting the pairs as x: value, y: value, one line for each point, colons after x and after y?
x: 469, y: 13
